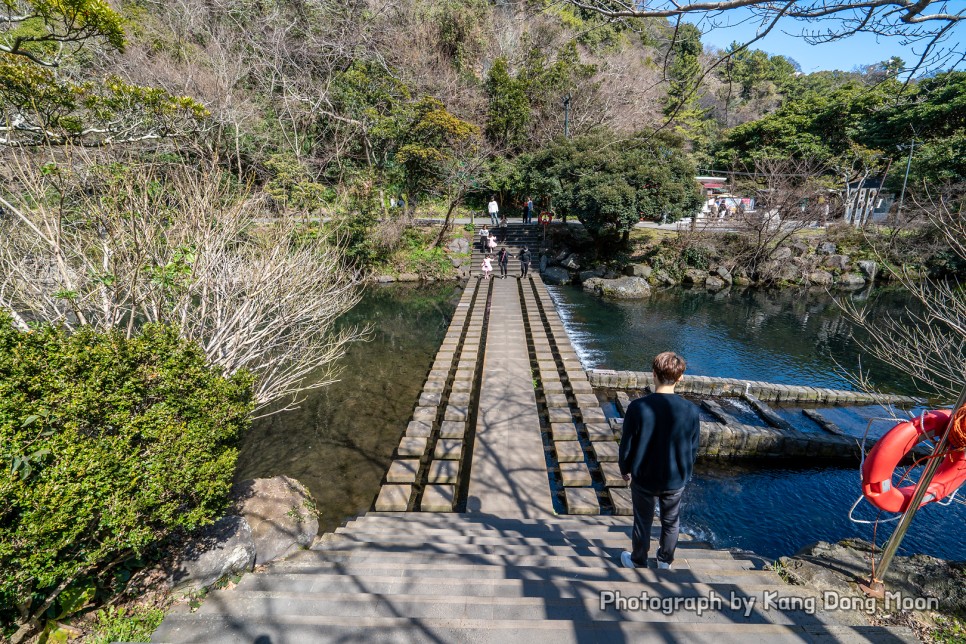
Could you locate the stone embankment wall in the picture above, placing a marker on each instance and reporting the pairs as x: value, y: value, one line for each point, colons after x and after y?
x: 770, y: 392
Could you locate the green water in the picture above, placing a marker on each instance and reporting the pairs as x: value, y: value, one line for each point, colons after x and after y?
x: 340, y: 441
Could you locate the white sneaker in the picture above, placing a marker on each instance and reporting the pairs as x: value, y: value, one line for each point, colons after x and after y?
x: 663, y: 565
x: 626, y: 560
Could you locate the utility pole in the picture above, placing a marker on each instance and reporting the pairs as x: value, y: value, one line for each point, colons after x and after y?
x: 566, y: 106
x: 875, y: 587
x: 902, y: 195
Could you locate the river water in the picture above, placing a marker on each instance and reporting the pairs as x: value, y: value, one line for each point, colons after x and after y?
x: 341, y: 439
x: 790, y: 337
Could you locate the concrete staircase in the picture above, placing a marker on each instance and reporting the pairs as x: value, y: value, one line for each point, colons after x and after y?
x: 420, y: 577
x: 517, y: 236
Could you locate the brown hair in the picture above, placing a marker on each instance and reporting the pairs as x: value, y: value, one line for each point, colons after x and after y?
x: 668, y: 367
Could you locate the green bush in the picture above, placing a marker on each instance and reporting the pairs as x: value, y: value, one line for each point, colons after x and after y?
x: 108, y: 446
x: 115, y: 624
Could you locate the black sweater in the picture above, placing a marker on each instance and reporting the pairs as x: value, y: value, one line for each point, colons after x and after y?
x: 660, y: 442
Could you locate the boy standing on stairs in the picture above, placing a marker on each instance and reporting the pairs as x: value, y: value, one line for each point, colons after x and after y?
x: 657, y: 452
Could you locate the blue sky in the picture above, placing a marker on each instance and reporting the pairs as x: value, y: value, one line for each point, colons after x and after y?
x: 855, y: 51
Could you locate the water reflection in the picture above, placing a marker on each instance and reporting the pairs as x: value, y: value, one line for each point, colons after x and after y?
x: 789, y: 337
x: 340, y: 441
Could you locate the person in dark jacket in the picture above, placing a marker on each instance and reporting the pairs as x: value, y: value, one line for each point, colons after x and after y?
x: 657, y: 452
x: 524, y: 262
x: 503, y: 259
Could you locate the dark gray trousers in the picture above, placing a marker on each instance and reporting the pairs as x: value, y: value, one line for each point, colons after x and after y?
x: 670, y: 504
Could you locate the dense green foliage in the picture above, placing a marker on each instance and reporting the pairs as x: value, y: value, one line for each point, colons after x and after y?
x: 611, y: 184
x: 831, y: 118
x: 108, y: 445
x: 49, y: 96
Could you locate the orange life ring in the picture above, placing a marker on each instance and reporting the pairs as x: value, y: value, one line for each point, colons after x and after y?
x: 882, y: 461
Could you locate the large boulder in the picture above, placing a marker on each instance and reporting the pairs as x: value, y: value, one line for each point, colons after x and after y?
x: 781, y: 253
x: 593, y: 284
x: 457, y: 261
x: 281, y: 514
x: 408, y: 277
x: 544, y: 262
x: 459, y: 245
x: 826, y: 248
x: 638, y: 270
x: 715, y: 284
x: 583, y: 276
x: 663, y: 278
x: 223, y: 549
x: 694, y: 276
x: 626, y: 288
x: 556, y: 275
x: 850, y: 280
x: 820, y: 278
x: 868, y: 268
x: 570, y: 262
x: 789, y: 272
x: 562, y: 255
x: 723, y: 273
x: 798, y: 249
x: 837, y: 262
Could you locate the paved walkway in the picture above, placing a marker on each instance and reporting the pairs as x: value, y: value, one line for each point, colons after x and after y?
x: 509, y: 472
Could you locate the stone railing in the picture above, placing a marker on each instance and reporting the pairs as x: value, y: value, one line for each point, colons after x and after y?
x: 767, y: 391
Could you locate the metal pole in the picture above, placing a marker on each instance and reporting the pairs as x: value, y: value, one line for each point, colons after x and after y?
x: 902, y: 195
x: 566, y: 102
x: 877, y: 585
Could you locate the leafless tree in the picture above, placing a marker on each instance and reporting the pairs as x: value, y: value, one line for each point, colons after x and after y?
x: 927, y: 340
x: 788, y: 199
x: 927, y: 24
x: 84, y: 243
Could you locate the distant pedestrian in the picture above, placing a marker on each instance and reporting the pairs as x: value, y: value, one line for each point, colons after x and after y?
x: 503, y: 231
x: 503, y: 259
x: 494, y: 209
x: 524, y: 261
x: 722, y: 209
x: 657, y: 454
x: 487, y: 267
x: 528, y: 211
x: 484, y: 239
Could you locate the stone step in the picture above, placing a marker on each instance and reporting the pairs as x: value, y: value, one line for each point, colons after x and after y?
x: 479, y: 571
x: 250, y: 605
x: 508, y: 530
x: 540, y: 532
x: 433, y: 535
x: 491, y: 521
x: 309, y: 558
x: 400, y: 630
x: 563, y: 586
x: 498, y: 547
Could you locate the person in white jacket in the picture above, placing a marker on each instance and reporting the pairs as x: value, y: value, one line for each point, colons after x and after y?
x: 494, y: 209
